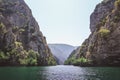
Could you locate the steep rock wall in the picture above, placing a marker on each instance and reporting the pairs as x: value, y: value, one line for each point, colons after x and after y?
x: 102, y: 48
x: 20, y: 32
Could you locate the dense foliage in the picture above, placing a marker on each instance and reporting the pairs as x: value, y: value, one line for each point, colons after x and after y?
x: 19, y: 56
x: 78, y: 61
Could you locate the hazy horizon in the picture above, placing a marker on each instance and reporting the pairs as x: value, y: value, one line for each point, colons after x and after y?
x: 63, y: 21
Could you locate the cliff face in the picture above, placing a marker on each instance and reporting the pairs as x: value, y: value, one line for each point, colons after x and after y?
x: 20, y: 36
x: 102, y: 48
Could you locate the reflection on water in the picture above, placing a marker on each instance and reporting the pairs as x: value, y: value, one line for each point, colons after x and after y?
x: 67, y: 73
x: 59, y: 73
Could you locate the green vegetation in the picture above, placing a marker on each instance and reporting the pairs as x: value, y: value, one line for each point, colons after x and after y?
x: 117, y: 11
x: 72, y: 60
x: 81, y: 60
x: 17, y: 30
x: 2, y: 28
x: 21, y: 30
x: 2, y: 25
x: 116, y: 18
x: 117, y: 4
x: 32, y: 57
x: 18, y: 44
x: 112, y: 24
x: 3, y: 56
x: 19, y: 56
x: 104, y: 32
x: 102, y: 23
x: 51, y: 61
x: 25, y: 57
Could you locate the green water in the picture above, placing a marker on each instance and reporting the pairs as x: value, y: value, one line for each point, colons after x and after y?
x: 59, y: 73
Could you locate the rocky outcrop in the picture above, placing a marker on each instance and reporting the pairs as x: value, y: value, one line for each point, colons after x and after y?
x: 102, y: 10
x: 19, y: 34
x: 102, y: 48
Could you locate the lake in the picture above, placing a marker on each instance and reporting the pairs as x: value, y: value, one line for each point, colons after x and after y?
x: 60, y: 72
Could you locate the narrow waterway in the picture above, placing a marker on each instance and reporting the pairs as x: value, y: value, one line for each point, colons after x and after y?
x: 60, y: 72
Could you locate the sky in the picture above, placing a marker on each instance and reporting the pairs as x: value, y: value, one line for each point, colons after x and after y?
x: 63, y: 21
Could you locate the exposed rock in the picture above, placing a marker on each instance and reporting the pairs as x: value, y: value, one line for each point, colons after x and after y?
x: 18, y: 25
x: 102, y: 48
x: 101, y: 11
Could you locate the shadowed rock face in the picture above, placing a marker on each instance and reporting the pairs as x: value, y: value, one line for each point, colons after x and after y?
x: 102, y: 48
x: 18, y: 25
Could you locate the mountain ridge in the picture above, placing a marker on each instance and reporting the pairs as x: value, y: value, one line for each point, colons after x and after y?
x: 61, y: 51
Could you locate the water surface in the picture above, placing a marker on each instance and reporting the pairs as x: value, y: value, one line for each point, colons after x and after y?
x: 59, y: 73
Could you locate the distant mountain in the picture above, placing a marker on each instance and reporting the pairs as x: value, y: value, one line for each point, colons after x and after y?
x: 61, y: 51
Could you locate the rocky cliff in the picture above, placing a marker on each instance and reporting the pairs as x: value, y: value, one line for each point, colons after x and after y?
x: 102, y: 48
x: 21, y: 42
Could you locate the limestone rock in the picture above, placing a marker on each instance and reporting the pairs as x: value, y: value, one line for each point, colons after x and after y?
x: 102, y: 48
x: 18, y: 25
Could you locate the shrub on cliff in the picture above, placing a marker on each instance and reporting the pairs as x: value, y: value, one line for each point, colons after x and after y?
x: 117, y: 4
x: 104, y: 32
x: 3, y: 56
x: 32, y: 57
